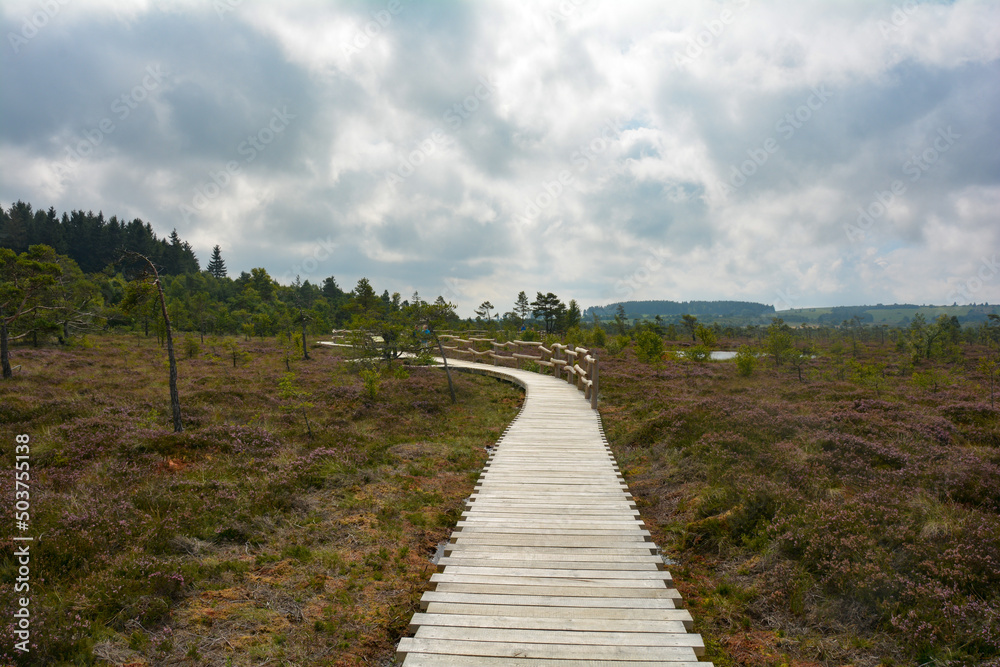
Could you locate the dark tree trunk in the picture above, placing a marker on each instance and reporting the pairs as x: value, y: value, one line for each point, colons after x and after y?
x: 305, y: 348
x: 175, y: 400
x: 308, y: 427
x: 5, y: 352
x: 447, y: 370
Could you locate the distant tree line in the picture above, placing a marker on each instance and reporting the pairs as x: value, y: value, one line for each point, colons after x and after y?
x: 90, y: 240
x: 637, y: 309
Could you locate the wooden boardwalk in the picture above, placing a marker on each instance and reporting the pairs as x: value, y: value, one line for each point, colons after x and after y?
x: 550, y: 564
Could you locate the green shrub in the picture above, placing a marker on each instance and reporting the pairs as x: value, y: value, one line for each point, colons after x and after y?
x: 698, y: 353
x: 298, y: 552
x: 373, y: 381
x: 424, y: 358
x: 529, y: 365
x: 575, y: 336
x: 618, y: 343
x: 705, y: 335
x: 746, y: 360
x: 81, y: 342
x: 598, y: 337
x: 191, y: 347
x: 649, y: 346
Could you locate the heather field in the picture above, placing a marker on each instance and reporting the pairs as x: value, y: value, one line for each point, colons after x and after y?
x: 850, y: 517
x: 834, y: 510
x: 292, y: 521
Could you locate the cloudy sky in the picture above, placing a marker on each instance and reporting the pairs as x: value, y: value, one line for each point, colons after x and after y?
x: 801, y: 154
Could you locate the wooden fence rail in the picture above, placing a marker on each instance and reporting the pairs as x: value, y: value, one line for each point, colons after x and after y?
x: 574, y: 364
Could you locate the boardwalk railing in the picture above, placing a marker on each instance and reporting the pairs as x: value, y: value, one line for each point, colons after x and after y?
x: 574, y: 364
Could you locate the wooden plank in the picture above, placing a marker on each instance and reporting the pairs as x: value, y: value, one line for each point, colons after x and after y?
x: 550, y: 612
x: 581, y: 512
x: 516, y: 649
x: 570, y: 637
x: 521, y: 504
x: 634, y: 549
x: 481, y: 530
x: 580, y: 541
x: 536, y: 599
x: 559, y: 591
x: 554, y: 537
x: 439, y: 660
x: 475, y: 520
x: 550, y: 562
x: 536, y: 623
x: 576, y: 572
x: 553, y: 482
x: 589, y: 582
x: 567, y: 561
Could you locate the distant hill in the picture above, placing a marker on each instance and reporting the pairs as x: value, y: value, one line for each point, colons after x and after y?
x: 748, y: 312
x: 674, y: 309
x: 897, y: 314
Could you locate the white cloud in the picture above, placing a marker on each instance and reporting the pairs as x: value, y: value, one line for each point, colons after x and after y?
x: 647, y: 106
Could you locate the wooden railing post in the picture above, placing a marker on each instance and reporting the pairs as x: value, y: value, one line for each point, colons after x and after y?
x: 581, y: 367
x: 595, y: 372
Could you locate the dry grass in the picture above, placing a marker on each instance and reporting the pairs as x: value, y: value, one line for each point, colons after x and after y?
x: 241, y: 541
x: 814, y: 522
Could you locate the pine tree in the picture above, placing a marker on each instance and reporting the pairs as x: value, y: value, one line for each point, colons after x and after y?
x: 522, y: 308
x: 573, y: 315
x: 174, y: 255
x: 549, y: 308
x: 217, y: 266
x: 484, y: 310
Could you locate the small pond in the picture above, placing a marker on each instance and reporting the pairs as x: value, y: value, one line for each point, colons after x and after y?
x: 718, y: 355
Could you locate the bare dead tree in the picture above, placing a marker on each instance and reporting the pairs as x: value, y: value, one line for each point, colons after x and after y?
x: 175, y: 401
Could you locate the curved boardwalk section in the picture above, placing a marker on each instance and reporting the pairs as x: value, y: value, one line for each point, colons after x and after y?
x: 550, y: 564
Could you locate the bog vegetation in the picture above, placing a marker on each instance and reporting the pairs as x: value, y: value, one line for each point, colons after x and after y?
x: 830, y: 496
x: 291, y: 521
x: 832, y: 499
